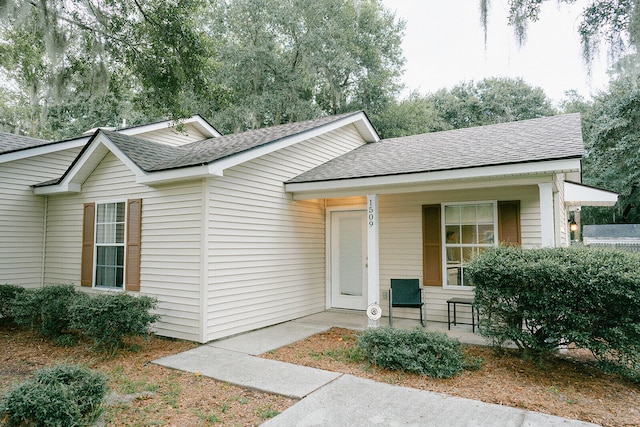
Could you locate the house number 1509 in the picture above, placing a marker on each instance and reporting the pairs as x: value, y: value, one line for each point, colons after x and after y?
x: 372, y: 216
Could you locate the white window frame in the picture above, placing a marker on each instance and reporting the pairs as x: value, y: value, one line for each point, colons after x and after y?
x: 443, y: 225
x: 96, y: 244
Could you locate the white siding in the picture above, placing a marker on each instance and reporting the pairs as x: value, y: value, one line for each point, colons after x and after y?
x: 171, y: 136
x: 401, y: 240
x: 22, y: 215
x: 171, y: 241
x: 266, y: 251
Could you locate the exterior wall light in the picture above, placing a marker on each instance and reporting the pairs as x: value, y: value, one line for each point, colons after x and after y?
x: 573, y: 226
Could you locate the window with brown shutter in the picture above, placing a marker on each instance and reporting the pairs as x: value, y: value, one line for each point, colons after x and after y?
x: 469, y: 229
x: 104, y: 255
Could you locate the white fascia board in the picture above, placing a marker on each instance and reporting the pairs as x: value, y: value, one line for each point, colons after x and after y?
x: 396, y: 182
x: 583, y: 195
x: 204, y: 126
x: 359, y: 120
x: 43, y: 149
x: 57, y: 189
x: 174, y: 175
x: 197, y: 120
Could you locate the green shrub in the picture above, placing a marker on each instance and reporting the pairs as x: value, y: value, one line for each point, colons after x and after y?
x: 7, y: 295
x: 542, y: 298
x: 65, y: 395
x: 423, y: 352
x: 45, y: 310
x: 109, y: 319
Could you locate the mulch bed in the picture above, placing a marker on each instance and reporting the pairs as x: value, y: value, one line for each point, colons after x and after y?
x: 567, y: 386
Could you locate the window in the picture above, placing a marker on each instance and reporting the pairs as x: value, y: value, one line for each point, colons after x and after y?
x: 110, y: 245
x: 468, y: 229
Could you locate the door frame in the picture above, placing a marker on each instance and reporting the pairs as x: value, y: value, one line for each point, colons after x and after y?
x: 329, y: 243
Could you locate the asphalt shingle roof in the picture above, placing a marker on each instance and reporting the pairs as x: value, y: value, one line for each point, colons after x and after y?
x: 152, y: 156
x: 10, y: 142
x: 547, y: 138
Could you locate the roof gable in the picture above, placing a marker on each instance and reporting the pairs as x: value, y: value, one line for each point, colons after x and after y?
x: 156, y: 163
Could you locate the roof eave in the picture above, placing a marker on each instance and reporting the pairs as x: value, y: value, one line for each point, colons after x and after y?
x: 410, y: 181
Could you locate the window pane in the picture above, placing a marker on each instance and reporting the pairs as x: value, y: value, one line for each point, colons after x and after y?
x: 119, y: 215
x: 101, y: 209
x: 468, y: 214
x: 454, y: 276
x: 485, y: 234
x: 485, y: 213
x: 109, y: 277
x: 469, y: 234
x: 453, y: 234
x: 118, y: 233
x: 120, y: 256
x: 452, y: 214
x: 467, y: 254
x: 453, y: 255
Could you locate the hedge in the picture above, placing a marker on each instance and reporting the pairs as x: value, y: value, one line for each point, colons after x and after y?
x: 540, y: 299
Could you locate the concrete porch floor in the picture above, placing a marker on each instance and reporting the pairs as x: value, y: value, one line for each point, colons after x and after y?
x: 352, y: 319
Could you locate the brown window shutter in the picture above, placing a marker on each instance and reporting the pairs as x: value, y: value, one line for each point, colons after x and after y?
x: 509, y: 223
x: 431, y: 245
x: 88, y: 230
x: 134, y: 218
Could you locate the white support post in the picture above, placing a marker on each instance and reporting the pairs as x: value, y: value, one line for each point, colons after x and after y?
x: 547, y: 215
x: 373, y: 254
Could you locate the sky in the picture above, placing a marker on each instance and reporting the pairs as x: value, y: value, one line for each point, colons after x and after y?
x: 444, y: 45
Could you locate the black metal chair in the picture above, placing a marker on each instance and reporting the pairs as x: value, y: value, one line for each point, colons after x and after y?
x: 405, y: 293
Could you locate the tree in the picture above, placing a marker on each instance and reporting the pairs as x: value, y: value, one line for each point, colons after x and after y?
x: 242, y: 63
x: 617, y: 22
x: 412, y: 116
x: 83, y: 63
x: 490, y: 101
x: 612, y: 160
x: 288, y: 60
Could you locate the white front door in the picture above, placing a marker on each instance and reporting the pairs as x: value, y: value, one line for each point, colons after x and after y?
x: 349, y: 259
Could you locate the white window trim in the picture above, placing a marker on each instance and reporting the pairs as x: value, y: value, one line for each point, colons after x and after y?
x: 443, y: 234
x: 95, y: 247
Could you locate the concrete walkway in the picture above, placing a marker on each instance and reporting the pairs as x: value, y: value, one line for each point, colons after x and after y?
x: 335, y: 399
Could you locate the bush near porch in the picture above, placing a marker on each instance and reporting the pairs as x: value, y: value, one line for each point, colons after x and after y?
x: 62, y: 313
x: 540, y: 299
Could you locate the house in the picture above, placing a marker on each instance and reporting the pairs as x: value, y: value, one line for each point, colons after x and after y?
x: 625, y: 237
x: 237, y: 232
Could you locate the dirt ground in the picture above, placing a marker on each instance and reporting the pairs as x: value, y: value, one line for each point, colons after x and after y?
x: 145, y: 394
x: 566, y: 386
x: 142, y: 394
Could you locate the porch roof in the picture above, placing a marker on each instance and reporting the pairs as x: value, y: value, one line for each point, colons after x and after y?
x: 577, y: 194
x: 514, y: 143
